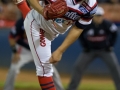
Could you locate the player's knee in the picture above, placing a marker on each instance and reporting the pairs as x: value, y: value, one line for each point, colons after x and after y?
x: 15, y: 61
x: 44, y: 70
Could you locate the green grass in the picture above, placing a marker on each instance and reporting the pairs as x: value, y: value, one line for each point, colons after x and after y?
x: 23, y: 85
x: 96, y: 86
x: 26, y: 85
x: 1, y: 84
x: 83, y: 86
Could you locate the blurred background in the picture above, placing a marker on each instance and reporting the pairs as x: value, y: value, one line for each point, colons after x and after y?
x: 9, y: 13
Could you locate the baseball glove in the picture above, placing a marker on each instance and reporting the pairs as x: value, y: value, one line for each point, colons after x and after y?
x: 55, y: 9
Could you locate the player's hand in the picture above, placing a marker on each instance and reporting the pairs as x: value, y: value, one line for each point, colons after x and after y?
x: 15, y: 57
x: 56, y: 56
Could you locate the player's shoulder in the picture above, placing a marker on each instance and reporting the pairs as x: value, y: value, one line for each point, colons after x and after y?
x: 91, y: 3
x: 19, y: 25
x: 110, y: 25
x: 107, y: 22
x: 19, y: 22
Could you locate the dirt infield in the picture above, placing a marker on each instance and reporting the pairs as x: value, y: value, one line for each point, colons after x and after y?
x: 27, y: 77
x: 27, y: 80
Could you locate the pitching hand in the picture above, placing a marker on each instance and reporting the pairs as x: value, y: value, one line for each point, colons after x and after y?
x: 56, y: 56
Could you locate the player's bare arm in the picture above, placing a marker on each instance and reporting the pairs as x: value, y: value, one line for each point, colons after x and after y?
x: 71, y: 38
x: 35, y: 4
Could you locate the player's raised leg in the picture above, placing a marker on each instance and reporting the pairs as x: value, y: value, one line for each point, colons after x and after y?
x: 23, y: 6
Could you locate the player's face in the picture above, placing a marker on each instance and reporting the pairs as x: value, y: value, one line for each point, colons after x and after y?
x: 98, y: 19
